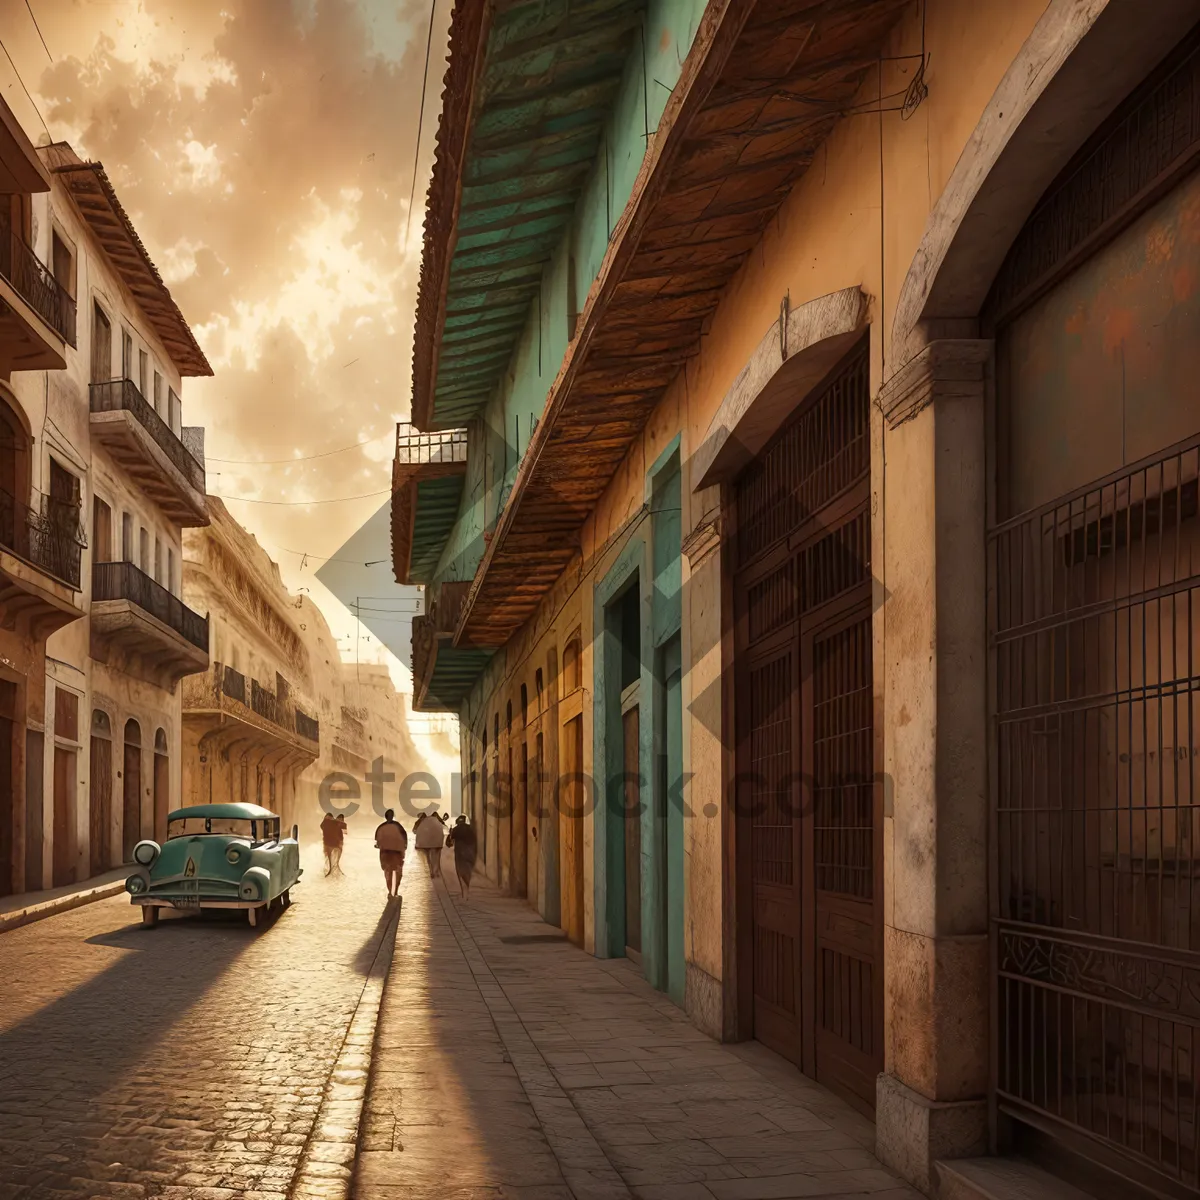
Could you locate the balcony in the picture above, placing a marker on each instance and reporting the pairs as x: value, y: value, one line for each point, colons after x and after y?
x: 428, y: 473
x: 37, y: 314
x: 143, y: 443
x: 138, y: 626
x: 443, y: 673
x: 40, y: 554
x: 235, y: 714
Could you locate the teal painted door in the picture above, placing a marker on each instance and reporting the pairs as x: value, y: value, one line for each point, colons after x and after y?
x: 633, y: 831
x: 672, y: 791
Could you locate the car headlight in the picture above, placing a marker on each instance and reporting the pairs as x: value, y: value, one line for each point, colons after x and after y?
x: 135, y: 884
x: 256, y: 883
x: 144, y: 853
x: 236, y: 853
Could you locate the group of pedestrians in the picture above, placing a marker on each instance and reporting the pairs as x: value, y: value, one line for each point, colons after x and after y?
x: 391, y: 840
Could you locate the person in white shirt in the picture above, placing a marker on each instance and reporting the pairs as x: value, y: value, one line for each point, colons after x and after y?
x: 431, y: 837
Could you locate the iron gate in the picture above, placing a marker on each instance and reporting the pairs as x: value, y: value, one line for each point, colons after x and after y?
x: 1096, y: 759
x: 807, y: 800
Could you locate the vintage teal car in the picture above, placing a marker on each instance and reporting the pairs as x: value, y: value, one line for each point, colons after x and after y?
x: 216, y: 856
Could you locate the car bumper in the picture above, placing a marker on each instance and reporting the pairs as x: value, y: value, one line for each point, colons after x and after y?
x: 193, y: 902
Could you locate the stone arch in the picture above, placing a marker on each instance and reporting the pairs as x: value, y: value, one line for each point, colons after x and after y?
x: 1081, y: 60
x: 795, y: 354
x: 16, y: 447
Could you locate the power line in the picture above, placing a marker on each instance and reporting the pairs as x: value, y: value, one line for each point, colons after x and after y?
x: 420, y: 121
x: 24, y: 88
x: 39, y: 30
x: 305, y: 503
x: 268, y: 462
x: 353, y: 562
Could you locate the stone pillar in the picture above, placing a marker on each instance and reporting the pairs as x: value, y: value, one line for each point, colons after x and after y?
x: 931, y: 1100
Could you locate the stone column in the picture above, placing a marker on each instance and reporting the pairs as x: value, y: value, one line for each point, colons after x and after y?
x: 931, y: 1100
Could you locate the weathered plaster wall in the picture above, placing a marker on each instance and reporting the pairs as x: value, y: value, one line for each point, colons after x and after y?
x: 56, y: 405
x: 261, y: 629
x: 848, y: 223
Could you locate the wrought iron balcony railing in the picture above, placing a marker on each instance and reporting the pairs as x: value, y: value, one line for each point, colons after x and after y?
x: 34, y: 281
x: 122, y: 395
x: 265, y: 703
x: 204, y: 691
x: 233, y: 685
x: 125, y: 581
x: 308, y: 727
x: 49, y: 537
x: 414, y: 448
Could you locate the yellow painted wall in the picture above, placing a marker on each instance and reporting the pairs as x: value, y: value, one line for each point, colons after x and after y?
x: 855, y: 219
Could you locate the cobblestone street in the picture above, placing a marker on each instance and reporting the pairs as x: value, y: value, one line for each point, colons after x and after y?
x: 187, y: 1061
x: 191, y: 1063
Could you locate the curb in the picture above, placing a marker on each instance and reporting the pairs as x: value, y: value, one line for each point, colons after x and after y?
x: 60, y: 904
x: 326, y: 1167
x: 586, y: 1168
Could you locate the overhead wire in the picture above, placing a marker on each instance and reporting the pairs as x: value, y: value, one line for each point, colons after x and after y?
x: 39, y: 30
x: 420, y: 121
x: 305, y: 503
x: 268, y: 462
x: 25, y: 89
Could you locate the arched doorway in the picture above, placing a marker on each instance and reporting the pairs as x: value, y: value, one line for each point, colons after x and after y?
x: 1095, y: 563
x: 131, y: 809
x: 162, y: 784
x: 100, y: 789
x: 809, y: 812
x: 14, y: 476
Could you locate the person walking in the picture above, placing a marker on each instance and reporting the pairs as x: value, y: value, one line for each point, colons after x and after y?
x: 431, y: 837
x: 391, y: 841
x: 337, y: 857
x: 332, y: 836
x: 462, y: 839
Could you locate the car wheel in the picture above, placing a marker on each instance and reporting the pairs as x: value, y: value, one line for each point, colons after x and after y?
x: 285, y: 898
x: 252, y: 913
x: 149, y: 916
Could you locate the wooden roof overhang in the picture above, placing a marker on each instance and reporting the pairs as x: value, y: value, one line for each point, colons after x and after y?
x: 761, y: 89
x: 21, y: 171
x: 94, y: 196
x: 528, y: 89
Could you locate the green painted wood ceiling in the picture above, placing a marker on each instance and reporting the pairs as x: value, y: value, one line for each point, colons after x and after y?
x: 454, y: 674
x: 436, y: 509
x: 550, y: 75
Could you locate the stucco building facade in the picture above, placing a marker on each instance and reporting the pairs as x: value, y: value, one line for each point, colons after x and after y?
x: 100, y: 476
x: 807, y: 513
x: 279, y: 713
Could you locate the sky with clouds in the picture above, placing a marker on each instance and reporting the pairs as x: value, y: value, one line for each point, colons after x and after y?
x: 264, y: 150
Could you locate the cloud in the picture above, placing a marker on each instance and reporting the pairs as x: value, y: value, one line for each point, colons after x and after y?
x: 264, y: 150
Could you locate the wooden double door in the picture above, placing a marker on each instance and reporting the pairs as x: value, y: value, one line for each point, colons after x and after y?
x: 809, y: 807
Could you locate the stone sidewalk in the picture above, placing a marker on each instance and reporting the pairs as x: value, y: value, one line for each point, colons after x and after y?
x: 510, y: 1065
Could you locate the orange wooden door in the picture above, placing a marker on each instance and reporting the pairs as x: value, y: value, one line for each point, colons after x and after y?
x: 162, y: 794
x: 100, y: 805
x: 131, y: 809
x: 64, y: 816
x: 571, y: 824
x: 520, y: 823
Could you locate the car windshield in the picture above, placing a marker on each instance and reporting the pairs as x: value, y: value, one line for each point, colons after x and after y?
x: 224, y: 826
